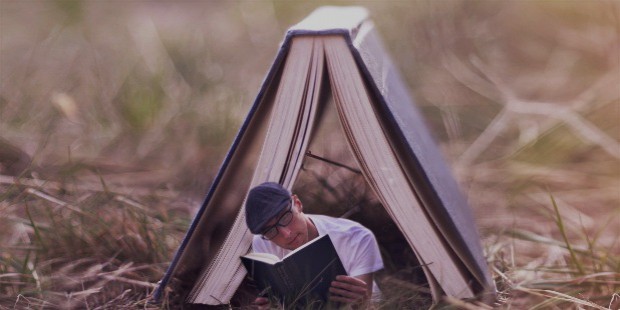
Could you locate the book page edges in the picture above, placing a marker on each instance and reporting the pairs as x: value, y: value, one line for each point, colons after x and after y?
x: 263, y: 90
x: 362, y: 124
x: 263, y: 257
x: 454, y: 220
x: 270, y: 167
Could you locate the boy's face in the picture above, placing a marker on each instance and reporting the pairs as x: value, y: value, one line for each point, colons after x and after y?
x: 295, y: 234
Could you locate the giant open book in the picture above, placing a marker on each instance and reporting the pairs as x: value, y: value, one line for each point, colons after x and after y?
x: 333, y: 57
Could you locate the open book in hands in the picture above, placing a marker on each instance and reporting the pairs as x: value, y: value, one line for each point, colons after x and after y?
x: 302, y: 277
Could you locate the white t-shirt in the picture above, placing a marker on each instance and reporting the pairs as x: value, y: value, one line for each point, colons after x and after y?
x: 356, y: 245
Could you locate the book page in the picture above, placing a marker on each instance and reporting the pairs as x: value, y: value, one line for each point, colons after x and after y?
x: 263, y: 257
x: 432, y: 176
x: 287, y: 137
x: 382, y: 170
x: 304, y: 246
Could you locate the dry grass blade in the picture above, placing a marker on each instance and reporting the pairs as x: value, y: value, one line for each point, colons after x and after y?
x: 85, y: 186
x: 32, y: 302
x: 530, y: 236
x: 10, y: 275
x: 460, y: 304
x: 586, y: 130
x: 130, y: 281
x: 130, y: 202
x: 53, y: 199
x: 562, y: 229
x: 485, y: 139
x: 599, y: 255
x: 557, y: 296
x: 614, y: 300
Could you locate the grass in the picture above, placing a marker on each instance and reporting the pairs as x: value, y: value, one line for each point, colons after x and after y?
x: 582, y: 273
x: 114, y: 120
x: 96, y: 249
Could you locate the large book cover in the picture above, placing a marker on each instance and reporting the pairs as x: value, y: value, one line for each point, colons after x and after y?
x: 218, y: 232
x: 300, y: 279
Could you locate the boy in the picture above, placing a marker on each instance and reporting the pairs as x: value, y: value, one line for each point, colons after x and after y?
x: 277, y: 220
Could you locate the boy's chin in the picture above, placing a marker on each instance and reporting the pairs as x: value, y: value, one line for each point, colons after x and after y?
x: 295, y: 243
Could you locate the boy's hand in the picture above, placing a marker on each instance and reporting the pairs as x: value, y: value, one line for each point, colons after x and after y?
x: 261, y: 303
x: 349, y: 290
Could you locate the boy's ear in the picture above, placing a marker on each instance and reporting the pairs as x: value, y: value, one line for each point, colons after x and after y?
x: 298, y: 204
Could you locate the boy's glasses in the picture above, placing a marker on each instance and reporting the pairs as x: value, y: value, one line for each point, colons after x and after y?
x: 284, y: 219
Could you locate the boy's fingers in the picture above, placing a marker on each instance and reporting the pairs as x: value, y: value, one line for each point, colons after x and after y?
x: 351, y: 288
x: 351, y: 280
x: 348, y: 289
x: 261, y: 300
x: 361, y: 289
x: 261, y: 303
x: 345, y: 293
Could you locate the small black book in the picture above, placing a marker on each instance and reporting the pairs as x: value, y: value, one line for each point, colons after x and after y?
x: 302, y: 277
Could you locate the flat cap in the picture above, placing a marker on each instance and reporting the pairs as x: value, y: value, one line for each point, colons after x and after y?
x: 264, y: 202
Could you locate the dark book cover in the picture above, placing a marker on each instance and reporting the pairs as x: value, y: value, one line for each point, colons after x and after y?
x: 302, y: 278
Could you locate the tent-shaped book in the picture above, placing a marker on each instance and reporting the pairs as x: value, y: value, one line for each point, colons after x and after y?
x: 333, y: 63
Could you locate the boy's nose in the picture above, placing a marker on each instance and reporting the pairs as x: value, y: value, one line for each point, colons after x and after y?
x: 285, y: 231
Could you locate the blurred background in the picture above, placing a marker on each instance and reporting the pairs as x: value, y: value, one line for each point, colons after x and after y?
x: 115, y: 115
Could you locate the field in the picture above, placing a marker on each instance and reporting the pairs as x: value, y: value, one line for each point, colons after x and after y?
x: 115, y: 115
